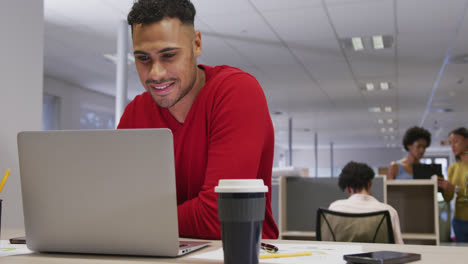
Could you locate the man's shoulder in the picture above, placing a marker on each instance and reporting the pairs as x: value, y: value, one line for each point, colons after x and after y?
x: 225, y: 80
x: 142, y: 99
x: 338, y: 205
x: 222, y: 72
x: 136, y: 114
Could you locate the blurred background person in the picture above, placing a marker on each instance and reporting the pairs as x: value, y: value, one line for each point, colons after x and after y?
x: 415, y: 141
x: 458, y: 183
x: 356, y: 178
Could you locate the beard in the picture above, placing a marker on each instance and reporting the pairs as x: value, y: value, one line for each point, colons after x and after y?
x: 170, y: 100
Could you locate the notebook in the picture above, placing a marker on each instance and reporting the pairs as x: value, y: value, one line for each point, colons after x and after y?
x: 101, y: 192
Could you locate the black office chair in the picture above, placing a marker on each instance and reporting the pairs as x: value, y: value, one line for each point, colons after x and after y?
x: 375, y: 227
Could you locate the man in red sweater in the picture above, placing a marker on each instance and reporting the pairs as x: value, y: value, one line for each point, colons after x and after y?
x: 218, y: 115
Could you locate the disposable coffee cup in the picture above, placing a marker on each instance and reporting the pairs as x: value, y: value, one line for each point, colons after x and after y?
x: 241, y: 210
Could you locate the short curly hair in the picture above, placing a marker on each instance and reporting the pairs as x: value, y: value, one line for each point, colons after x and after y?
x: 415, y: 133
x: 461, y: 131
x: 356, y: 176
x: 151, y: 11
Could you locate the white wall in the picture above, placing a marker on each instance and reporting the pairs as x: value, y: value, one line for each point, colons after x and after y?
x: 21, y: 71
x: 71, y: 98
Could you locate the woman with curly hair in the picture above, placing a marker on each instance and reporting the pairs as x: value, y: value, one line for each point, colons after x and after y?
x: 415, y: 141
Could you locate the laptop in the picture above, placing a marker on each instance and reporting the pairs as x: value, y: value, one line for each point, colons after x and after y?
x: 426, y: 171
x: 101, y: 192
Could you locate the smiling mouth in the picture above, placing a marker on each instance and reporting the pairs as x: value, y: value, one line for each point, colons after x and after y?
x: 161, y: 89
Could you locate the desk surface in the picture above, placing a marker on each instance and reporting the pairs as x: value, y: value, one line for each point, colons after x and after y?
x: 429, y: 254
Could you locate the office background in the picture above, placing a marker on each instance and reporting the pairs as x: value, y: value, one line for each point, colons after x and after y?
x: 53, y: 60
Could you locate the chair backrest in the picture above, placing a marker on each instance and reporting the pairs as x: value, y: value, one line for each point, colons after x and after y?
x: 375, y: 227
x: 300, y: 197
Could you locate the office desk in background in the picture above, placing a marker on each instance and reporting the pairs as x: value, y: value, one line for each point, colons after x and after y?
x: 429, y: 254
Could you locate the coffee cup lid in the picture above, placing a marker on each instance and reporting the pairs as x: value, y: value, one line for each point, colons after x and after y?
x: 241, y: 186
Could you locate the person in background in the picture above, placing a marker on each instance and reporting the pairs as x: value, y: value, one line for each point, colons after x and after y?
x: 415, y: 141
x: 458, y: 183
x: 219, y: 116
x: 356, y: 178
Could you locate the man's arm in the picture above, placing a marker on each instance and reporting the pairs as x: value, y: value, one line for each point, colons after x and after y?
x: 396, y: 226
x: 241, y: 138
x: 126, y: 121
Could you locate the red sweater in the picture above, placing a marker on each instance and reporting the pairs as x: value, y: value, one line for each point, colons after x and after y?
x: 227, y: 134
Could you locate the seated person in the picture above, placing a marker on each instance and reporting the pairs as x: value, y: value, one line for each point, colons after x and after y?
x: 218, y: 116
x: 415, y: 141
x: 356, y: 179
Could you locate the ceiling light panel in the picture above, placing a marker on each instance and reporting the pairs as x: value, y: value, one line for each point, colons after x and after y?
x: 352, y: 44
x: 377, y: 42
x: 382, y: 42
x: 375, y: 109
x: 370, y: 86
x: 357, y: 43
x: 384, y: 86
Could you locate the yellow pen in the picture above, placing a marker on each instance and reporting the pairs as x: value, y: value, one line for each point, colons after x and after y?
x: 285, y: 255
x: 4, y: 180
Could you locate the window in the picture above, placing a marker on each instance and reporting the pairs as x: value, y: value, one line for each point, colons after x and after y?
x: 50, y: 107
x: 95, y: 117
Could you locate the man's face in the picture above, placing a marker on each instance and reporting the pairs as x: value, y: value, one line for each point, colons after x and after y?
x: 166, y: 59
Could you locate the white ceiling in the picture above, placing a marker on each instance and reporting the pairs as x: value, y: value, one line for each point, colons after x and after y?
x: 293, y: 48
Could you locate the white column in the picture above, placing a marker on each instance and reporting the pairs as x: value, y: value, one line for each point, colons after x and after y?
x: 331, y: 159
x: 316, y: 153
x: 122, y: 65
x: 290, y: 141
x: 21, y: 79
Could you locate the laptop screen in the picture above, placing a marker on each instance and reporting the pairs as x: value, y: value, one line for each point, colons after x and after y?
x: 425, y: 171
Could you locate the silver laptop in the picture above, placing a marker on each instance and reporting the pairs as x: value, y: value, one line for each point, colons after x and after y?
x: 101, y: 192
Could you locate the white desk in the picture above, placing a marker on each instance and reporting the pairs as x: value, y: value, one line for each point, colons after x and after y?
x: 429, y: 254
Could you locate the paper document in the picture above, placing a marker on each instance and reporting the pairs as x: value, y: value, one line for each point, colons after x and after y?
x: 7, y: 249
x: 321, y: 253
